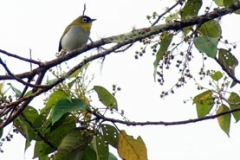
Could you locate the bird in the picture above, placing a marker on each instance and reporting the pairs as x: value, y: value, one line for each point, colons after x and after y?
x: 76, y: 34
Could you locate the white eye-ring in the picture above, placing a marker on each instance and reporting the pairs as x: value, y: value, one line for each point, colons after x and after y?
x: 84, y: 20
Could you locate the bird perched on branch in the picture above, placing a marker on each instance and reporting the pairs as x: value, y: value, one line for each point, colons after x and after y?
x: 76, y: 34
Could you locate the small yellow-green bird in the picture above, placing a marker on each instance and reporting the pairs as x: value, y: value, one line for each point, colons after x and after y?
x: 76, y: 34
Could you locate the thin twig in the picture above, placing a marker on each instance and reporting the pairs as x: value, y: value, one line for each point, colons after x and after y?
x: 167, y: 11
x: 30, y: 55
x: 16, y: 78
x: 134, y: 123
x: 20, y: 58
x: 84, y: 9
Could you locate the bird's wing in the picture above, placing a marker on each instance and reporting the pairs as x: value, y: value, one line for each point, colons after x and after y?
x: 65, y: 31
x: 60, y: 45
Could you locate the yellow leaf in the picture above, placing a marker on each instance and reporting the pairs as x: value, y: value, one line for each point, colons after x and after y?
x: 130, y: 148
x: 224, y: 121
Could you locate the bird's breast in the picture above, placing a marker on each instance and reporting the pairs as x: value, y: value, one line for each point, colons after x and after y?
x: 74, y: 38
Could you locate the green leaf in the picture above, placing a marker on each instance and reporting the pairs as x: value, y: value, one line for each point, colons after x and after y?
x: 28, y: 93
x: 204, y: 103
x: 44, y: 158
x: 100, y: 147
x: 73, y: 145
x: 54, y: 134
x: 165, y: 41
x: 233, y: 84
x: 234, y: 101
x: 225, y: 3
x: 190, y: 10
x: 30, y: 113
x: 23, y: 128
x: 65, y: 106
x: 75, y: 74
x: 89, y: 154
x: 26, y: 129
x: 15, y: 90
x: 70, y: 84
x: 106, y: 97
x: 228, y: 61
x: 224, y: 120
x: 210, y: 29
x: 112, y: 156
x: 206, y: 45
x: 219, y: 2
x: 110, y: 134
x: 216, y: 76
x: 42, y: 149
x: 52, y: 100
x: 229, y: 2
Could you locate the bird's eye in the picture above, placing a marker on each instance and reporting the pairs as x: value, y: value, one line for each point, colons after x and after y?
x: 84, y: 20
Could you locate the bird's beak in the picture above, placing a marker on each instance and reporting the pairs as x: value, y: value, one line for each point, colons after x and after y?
x: 93, y: 20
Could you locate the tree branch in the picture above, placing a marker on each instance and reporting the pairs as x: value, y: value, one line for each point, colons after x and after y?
x: 131, y: 37
x: 133, y: 123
